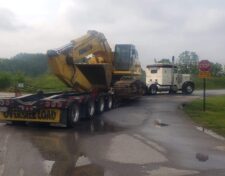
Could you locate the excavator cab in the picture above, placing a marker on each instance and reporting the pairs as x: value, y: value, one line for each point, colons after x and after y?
x: 127, y: 72
x: 125, y: 57
x: 126, y: 62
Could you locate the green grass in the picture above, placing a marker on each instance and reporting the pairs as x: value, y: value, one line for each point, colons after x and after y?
x: 48, y: 82
x: 212, y: 83
x: 214, y: 116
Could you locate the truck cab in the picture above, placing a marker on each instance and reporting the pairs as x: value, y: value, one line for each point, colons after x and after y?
x: 164, y: 77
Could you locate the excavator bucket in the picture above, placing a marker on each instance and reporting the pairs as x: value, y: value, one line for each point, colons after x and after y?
x: 99, y: 75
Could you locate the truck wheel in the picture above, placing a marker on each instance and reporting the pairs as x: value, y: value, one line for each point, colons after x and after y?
x: 100, y: 105
x: 109, y: 103
x: 90, y: 109
x: 74, y: 115
x: 153, y: 89
x: 188, y: 88
x: 173, y: 89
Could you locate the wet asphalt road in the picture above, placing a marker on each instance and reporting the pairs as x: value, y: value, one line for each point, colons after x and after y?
x: 149, y: 137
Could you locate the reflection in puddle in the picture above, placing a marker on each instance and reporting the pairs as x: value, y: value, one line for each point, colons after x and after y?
x: 53, y: 151
x: 82, y: 161
x: 63, y: 151
x: 63, y: 154
x: 96, y: 126
x: 82, y: 167
x: 210, y: 132
x: 48, y: 166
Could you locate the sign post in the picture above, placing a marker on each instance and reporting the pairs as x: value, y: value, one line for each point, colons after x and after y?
x: 204, y: 67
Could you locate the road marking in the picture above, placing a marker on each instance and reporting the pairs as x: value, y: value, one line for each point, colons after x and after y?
x: 151, y: 143
x: 127, y: 149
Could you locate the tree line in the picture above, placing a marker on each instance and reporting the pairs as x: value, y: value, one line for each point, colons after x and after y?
x: 28, y: 64
x: 36, y: 64
x: 21, y: 68
x: 26, y: 67
x: 187, y: 63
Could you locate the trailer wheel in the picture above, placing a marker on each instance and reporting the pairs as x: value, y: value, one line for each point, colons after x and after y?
x: 100, y: 105
x: 90, y: 109
x: 109, y: 103
x: 153, y: 89
x: 18, y: 123
x: 74, y: 115
x: 188, y: 88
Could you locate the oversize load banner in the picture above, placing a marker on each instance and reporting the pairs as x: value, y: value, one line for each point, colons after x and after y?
x: 49, y: 115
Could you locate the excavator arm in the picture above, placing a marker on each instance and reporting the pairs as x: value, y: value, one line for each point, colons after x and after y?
x: 85, y: 63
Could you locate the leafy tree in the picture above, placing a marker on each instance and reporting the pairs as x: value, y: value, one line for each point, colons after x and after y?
x: 188, y: 62
x: 216, y: 69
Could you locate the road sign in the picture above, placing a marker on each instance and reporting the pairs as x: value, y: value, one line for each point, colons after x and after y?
x: 204, y: 66
x: 204, y: 74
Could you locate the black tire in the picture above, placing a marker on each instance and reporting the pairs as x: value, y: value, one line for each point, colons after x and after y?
x: 73, y: 116
x: 90, y: 110
x: 153, y: 89
x: 109, y: 103
x: 100, y: 106
x: 18, y: 123
x: 188, y: 88
x: 173, y: 89
x: 143, y: 90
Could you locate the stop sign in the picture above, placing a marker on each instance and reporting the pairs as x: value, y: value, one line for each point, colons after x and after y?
x: 204, y: 65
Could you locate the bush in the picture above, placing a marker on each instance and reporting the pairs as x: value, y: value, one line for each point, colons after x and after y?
x: 5, y: 80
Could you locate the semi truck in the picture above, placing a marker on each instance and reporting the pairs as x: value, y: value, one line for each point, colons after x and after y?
x: 165, y: 77
x: 97, y: 77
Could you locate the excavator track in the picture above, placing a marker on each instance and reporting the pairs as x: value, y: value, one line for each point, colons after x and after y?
x: 129, y: 89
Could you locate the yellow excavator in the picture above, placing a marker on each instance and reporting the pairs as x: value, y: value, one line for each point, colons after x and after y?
x: 97, y: 77
x: 88, y: 64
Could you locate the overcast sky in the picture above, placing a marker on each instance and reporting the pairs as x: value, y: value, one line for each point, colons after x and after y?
x: 158, y: 28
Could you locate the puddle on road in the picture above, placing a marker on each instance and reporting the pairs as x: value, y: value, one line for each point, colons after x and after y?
x: 63, y: 153
x: 61, y: 149
x: 96, y: 126
x: 84, y: 126
x: 82, y: 167
x: 210, y: 132
x: 82, y: 161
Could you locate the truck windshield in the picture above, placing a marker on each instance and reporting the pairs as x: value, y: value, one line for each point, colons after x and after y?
x: 122, y: 57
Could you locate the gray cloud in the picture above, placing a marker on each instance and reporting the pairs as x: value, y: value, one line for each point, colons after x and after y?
x: 8, y: 21
x: 159, y: 28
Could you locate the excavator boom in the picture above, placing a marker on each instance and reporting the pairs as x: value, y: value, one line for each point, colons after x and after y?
x: 85, y: 63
